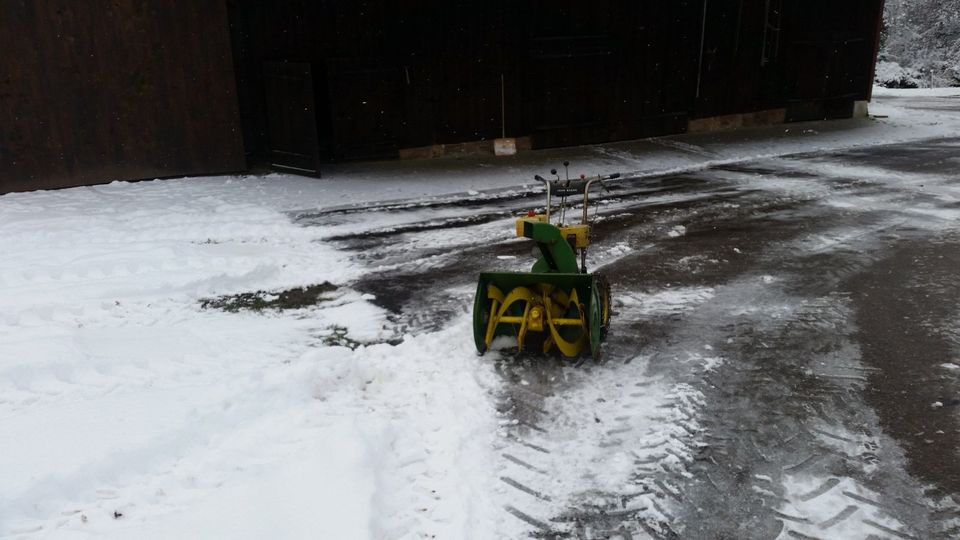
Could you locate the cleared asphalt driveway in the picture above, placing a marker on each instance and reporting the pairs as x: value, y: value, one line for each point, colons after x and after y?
x: 806, y: 308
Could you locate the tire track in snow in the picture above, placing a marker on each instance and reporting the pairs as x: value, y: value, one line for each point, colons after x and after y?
x: 797, y: 366
x: 614, y: 439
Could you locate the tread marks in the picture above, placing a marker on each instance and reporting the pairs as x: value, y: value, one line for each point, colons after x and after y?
x: 788, y: 517
x: 842, y: 515
x: 800, y: 536
x: 817, y: 438
x: 527, y: 518
x: 827, y: 486
x: 888, y: 530
x: 524, y: 464
x: 656, y: 450
x: 864, y: 500
x: 779, y: 346
x: 528, y: 490
x: 807, y: 461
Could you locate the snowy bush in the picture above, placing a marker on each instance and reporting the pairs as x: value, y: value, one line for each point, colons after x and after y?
x: 893, y: 75
x: 921, y: 38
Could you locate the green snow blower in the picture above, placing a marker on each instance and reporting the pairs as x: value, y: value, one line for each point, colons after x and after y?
x: 558, y: 303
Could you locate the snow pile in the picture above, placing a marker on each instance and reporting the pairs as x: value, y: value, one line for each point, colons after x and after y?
x: 425, y: 413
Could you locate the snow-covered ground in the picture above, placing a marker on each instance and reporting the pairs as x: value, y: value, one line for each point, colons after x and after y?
x: 120, y: 395
x: 128, y: 410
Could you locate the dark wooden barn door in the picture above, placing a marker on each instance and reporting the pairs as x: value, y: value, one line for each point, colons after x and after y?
x: 739, y: 62
x: 293, y: 140
x: 467, y: 72
x: 720, y: 29
x: 366, y: 105
x: 830, y: 51
x: 570, y: 71
x: 92, y: 92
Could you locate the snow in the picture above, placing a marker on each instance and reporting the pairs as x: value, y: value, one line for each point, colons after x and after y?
x: 922, y: 36
x: 666, y: 302
x: 804, y: 498
x: 127, y: 410
x: 893, y: 75
x: 192, y: 422
x: 677, y: 231
x: 881, y: 92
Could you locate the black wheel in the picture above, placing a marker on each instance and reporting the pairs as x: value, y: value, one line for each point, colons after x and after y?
x: 481, y: 316
x: 603, y: 285
x: 595, y: 324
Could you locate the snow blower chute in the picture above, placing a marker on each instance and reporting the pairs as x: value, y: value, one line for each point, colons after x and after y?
x: 558, y: 303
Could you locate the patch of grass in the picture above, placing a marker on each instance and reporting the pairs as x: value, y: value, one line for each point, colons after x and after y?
x: 297, y: 298
x: 338, y: 338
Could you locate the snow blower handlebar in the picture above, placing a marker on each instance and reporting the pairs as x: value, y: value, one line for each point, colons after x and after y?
x: 586, y: 191
x: 565, y: 188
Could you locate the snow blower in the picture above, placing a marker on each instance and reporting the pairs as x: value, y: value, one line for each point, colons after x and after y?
x: 558, y: 303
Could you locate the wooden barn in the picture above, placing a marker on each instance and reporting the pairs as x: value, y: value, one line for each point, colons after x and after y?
x: 92, y: 92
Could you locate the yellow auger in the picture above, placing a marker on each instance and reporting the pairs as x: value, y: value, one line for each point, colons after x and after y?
x: 557, y: 304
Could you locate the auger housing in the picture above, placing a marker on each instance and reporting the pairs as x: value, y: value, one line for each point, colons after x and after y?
x: 558, y: 304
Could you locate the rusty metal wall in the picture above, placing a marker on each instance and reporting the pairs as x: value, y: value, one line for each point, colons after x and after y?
x: 92, y: 92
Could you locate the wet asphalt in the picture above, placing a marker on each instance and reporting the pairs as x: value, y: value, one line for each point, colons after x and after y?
x: 831, y: 285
